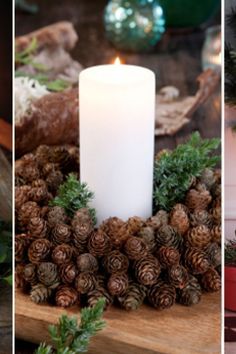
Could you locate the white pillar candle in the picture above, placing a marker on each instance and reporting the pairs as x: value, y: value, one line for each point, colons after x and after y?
x: 117, y: 106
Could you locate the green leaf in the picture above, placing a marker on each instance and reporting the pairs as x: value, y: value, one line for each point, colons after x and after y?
x: 8, y: 279
x: 44, y: 349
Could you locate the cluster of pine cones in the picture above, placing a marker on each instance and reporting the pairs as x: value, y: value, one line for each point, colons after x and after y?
x: 170, y: 257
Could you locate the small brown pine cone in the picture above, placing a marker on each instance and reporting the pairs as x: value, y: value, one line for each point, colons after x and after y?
x: 66, y: 296
x: 99, y: 243
x: 68, y: 273
x: 216, y: 203
x: 62, y: 254
x: 86, y: 262
x: 19, y: 279
x: 61, y: 156
x: 135, y: 248
x: 80, y: 215
x: 44, y: 212
x: 54, y: 180
x: 61, y: 233
x: 208, y: 178
x: 198, y: 199
x: 201, y: 217
x: 26, y: 212
x: 169, y: 237
x: 211, y: 280
x: 216, y: 234
x: 133, y: 298
x: 21, y: 246
x: 39, y: 250
x: 116, y: 262
x: 85, y: 282
x: 94, y: 295
x: 161, y: 295
x: 21, y: 196
x: 213, y: 252
x: 179, y: 219
x: 196, y: 260
x: 147, y: 270
x: 117, y: 230
x: 40, y: 293
x: 42, y: 155
x: 216, y: 215
x: 217, y: 173
x: 168, y: 256
x: 191, y: 293
x: 75, y: 157
x: 38, y: 194
x: 134, y: 225
x: 48, y: 274
x: 48, y: 168
x: 178, y: 276
x: 117, y: 284
x: 160, y: 219
x: 56, y: 215
x: 37, y: 227
x: 147, y: 234
x: 82, y: 227
x: 28, y: 168
x: 199, y: 236
x: 30, y: 273
x: 216, y: 191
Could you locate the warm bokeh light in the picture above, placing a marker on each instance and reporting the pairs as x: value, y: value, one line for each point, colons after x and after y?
x: 117, y: 61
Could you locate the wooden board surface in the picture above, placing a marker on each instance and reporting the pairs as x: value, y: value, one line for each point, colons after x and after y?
x: 5, y: 321
x: 179, y: 330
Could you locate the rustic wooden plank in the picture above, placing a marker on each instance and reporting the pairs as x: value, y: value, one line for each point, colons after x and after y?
x: 5, y: 320
x: 5, y: 188
x: 179, y: 330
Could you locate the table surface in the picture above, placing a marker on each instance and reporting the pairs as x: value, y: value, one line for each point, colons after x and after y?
x: 176, y: 61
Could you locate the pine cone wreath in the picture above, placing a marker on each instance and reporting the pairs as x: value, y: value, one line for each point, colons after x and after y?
x: 196, y: 260
x: 37, y: 227
x: 99, y: 243
x: 179, y: 219
x: 169, y: 237
x: 168, y: 256
x: 85, y: 282
x: 135, y: 248
x: 117, y: 230
x: 48, y: 274
x: 199, y: 236
x: 61, y: 233
x: 40, y: 293
x: 134, y: 225
x: 147, y: 234
x: 161, y: 295
x: 94, y: 295
x: 39, y: 250
x: 213, y: 252
x: 116, y: 262
x: 86, y: 262
x: 68, y: 273
x: 191, y: 293
x: 26, y: 212
x: 62, y: 254
x: 147, y: 270
x: 160, y: 219
x: 216, y: 234
x: 56, y: 215
x: 30, y: 273
x: 198, y: 199
x: 133, y: 298
x: 66, y: 296
x: 211, y: 280
x: 178, y: 276
x: 117, y: 284
x: 201, y: 217
x: 21, y: 196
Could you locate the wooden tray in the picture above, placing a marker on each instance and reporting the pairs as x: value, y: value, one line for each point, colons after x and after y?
x: 179, y: 330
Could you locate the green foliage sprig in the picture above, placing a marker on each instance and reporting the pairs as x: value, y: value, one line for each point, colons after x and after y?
x: 5, y: 252
x: 74, y: 195
x: 70, y: 338
x: 230, y: 252
x: 174, y: 171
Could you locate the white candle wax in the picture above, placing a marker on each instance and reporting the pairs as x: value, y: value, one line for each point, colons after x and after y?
x: 117, y: 106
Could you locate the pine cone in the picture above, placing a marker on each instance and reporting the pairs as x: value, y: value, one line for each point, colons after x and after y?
x: 82, y: 226
x: 133, y: 298
x: 39, y: 250
x: 178, y: 276
x: 37, y: 227
x: 40, y: 293
x: 99, y: 243
x: 54, y: 180
x: 61, y: 233
x: 117, y: 284
x: 56, y: 215
x: 179, y: 219
x: 42, y: 155
x: 198, y: 199
x: 44, y: 212
x: 117, y: 230
x: 62, y: 254
x: 191, y: 293
x: 208, y: 178
x: 161, y: 295
x: 216, y: 234
x: 116, y: 262
x: 38, y: 194
x: 87, y: 263
x: 147, y: 270
x: 160, y: 219
x: 85, y: 282
x: 28, y: 168
x: 21, y: 245
x: 48, y: 168
x: 61, y: 156
x: 48, y: 274
x: 168, y: 256
x: 216, y: 191
x: 169, y: 237
x: 21, y: 196
x: 135, y: 248
x: 147, y: 234
x: 30, y: 274
x: 216, y: 215
x: 199, y: 236
x: 66, y: 296
x: 196, y: 260
x: 135, y: 225
x: 213, y: 252
x: 68, y: 273
x: 94, y: 295
x: 211, y: 280
x: 19, y: 279
x: 201, y: 217
x: 26, y: 212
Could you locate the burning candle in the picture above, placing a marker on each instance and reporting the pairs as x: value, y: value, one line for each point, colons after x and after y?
x: 117, y: 106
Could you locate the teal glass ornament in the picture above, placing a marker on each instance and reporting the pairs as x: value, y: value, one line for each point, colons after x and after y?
x: 134, y: 25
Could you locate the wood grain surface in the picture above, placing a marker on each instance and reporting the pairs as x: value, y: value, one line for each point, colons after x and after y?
x: 179, y: 330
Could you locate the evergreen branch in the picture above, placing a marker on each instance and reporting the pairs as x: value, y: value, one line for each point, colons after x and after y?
x: 174, y: 171
x: 6, y: 252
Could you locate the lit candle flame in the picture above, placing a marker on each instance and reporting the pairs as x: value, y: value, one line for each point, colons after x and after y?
x: 117, y: 61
